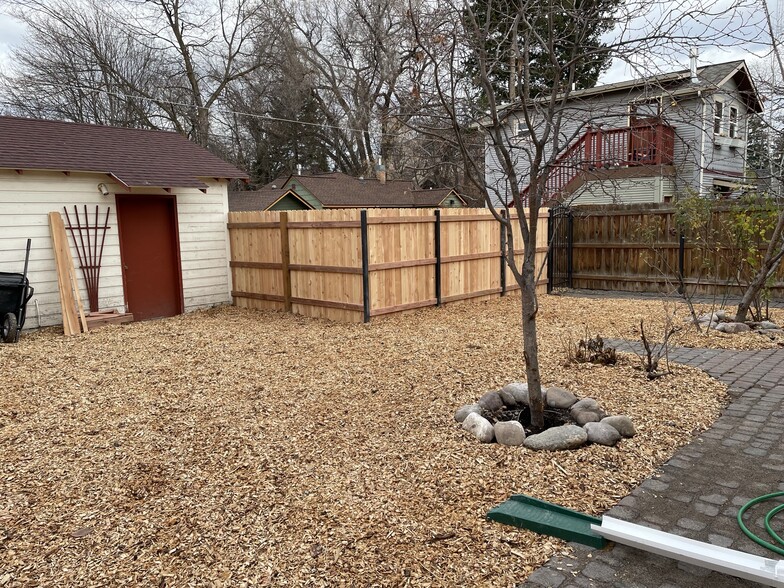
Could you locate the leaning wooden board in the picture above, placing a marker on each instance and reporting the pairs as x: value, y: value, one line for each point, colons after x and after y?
x: 70, y: 300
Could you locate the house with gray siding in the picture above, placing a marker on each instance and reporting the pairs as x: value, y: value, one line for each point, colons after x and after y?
x: 644, y: 140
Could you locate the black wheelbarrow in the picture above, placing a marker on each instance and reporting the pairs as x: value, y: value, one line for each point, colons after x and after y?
x: 15, y: 293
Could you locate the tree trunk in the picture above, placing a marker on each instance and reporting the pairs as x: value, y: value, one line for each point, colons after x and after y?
x: 770, y: 264
x: 530, y: 343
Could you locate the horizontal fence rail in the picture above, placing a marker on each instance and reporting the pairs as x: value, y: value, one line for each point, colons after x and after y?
x: 351, y: 265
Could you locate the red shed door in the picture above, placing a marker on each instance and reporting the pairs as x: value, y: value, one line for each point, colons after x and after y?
x: 149, y: 249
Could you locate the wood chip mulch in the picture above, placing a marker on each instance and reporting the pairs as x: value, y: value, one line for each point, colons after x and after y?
x: 246, y: 448
x: 619, y: 318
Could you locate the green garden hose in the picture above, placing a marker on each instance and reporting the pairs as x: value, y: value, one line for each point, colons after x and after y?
x: 768, y: 518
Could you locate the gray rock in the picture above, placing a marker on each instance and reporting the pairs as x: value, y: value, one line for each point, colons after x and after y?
x: 586, y: 404
x: 709, y: 317
x: 586, y: 410
x: 733, y: 328
x: 519, y: 390
x: 720, y: 314
x: 465, y: 410
x: 508, y: 398
x: 491, y: 402
x: 767, y: 325
x: 479, y: 427
x: 582, y: 417
x: 622, y: 424
x: 772, y: 332
x: 509, y: 433
x: 602, y: 434
x: 560, y: 398
x: 557, y: 438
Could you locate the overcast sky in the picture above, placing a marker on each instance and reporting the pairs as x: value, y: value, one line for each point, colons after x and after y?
x: 12, y: 34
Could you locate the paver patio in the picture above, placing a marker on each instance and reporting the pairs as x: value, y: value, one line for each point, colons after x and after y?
x: 698, y: 492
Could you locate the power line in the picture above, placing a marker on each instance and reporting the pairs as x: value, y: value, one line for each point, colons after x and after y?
x: 210, y: 109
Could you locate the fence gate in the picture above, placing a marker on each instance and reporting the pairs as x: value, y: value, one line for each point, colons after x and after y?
x: 560, y: 238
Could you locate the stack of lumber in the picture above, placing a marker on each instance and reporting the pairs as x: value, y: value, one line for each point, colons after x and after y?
x: 102, y: 318
x: 74, y: 320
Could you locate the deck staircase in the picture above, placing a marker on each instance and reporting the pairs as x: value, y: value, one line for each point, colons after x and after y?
x: 639, y: 145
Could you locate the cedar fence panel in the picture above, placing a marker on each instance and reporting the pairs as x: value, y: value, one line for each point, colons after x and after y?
x: 349, y: 265
x: 636, y: 248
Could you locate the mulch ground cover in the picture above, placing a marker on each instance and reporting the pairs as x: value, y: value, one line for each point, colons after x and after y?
x: 235, y: 447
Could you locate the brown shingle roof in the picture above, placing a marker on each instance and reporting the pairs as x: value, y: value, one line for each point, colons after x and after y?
x: 260, y: 199
x: 336, y: 190
x: 134, y: 157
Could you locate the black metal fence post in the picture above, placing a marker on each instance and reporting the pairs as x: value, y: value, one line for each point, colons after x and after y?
x: 365, y: 266
x: 551, y: 222
x: 570, y: 248
x: 503, y: 255
x: 681, y: 261
x: 438, y: 256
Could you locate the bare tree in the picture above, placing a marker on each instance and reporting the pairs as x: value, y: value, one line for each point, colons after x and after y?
x: 774, y: 251
x: 156, y: 63
x: 358, y: 54
x: 524, y: 139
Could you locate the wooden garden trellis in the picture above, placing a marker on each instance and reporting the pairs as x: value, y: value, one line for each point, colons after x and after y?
x: 88, y: 249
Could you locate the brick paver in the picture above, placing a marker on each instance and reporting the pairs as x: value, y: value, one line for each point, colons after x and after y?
x: 698, y: 492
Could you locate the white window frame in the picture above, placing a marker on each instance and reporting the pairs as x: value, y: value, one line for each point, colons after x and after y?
x: 733, y: 123
x: 718, y: 116
x: 519, y: 131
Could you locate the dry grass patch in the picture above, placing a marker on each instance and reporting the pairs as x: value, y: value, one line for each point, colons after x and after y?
x: 234, y: 446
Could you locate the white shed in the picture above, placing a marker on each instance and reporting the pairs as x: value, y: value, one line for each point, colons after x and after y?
x: 166, y: 250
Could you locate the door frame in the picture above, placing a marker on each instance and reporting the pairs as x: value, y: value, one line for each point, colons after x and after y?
x: 176, y: 228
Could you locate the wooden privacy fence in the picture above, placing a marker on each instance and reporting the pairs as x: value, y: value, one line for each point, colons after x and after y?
x: 640, y: 248
x: 351, y: 265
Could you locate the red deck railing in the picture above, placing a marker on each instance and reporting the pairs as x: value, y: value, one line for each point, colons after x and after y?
x: 648, y: 144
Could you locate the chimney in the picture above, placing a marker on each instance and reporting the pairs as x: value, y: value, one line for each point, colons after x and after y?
x: 694, y: 54
x: 381, y: 172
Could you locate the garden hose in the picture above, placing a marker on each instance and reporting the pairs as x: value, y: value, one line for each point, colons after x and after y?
x: 768, y: 527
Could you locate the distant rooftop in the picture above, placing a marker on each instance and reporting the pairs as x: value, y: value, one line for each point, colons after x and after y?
x: 339, y: 190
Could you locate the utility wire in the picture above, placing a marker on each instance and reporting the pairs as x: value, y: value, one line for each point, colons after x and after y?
x: 220, y: 110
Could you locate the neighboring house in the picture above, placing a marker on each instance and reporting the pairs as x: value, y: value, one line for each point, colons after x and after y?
x: 647, y: 140
x: 166, y: 250
x: 338, y: 190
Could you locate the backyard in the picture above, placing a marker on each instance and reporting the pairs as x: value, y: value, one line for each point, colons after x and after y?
x: 236, y: 446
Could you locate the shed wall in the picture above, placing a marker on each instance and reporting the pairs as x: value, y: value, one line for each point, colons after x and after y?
x: 25, y: 200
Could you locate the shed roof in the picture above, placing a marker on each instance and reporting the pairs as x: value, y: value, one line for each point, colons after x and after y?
x: 133, y: 157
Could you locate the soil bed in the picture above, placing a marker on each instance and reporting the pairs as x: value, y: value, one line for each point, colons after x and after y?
x: 552, y: 418
x: 234, y: 446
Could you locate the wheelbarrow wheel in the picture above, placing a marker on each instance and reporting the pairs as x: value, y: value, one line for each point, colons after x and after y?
x: 9, y: 332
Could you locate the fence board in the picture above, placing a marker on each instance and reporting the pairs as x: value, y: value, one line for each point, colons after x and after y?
x: 636, y: 249
x: 325, y: 259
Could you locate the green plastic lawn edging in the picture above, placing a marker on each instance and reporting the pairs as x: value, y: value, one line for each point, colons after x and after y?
x: 547, y: 518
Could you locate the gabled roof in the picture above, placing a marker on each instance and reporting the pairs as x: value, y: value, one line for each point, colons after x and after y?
x: 435, y: 196
x: 261, y: 199
x: 133, y: 157
x: 339, y: 190
x: 678, y: 83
